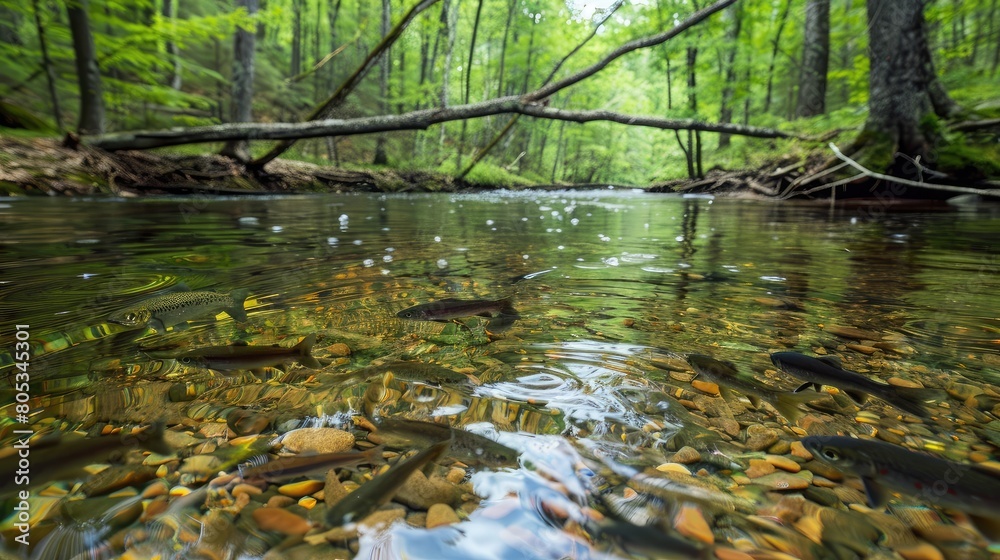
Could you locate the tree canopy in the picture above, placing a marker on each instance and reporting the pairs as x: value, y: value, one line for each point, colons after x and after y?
x: 169, y: 63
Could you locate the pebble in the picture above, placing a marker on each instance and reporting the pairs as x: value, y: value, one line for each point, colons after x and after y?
x: 318, y: 440
x: 244, y: 488
x: 441, y: 514
x: 308, y: 502
x: 800, y: 451
x: 674, y: 467
x: 420, y: 492
x: 686, y: 455
x: 339, y: 350
x: 963, y: 391
x: 706, y: 387
x: 761, y: 437
x: 729, y: 426
x: 782, y: 481
x: 863, y: 348
x: 852, y: 332
x: 281, y: 520
x: 759, y: 468
x: 690, y: 522
x: 725, y: 553
x: 783, y: 463
x: 299, y: 489
x: 900, y: 382
x: 921, y: 551
x: 333, y: 489
x: 824, y: 470
x: 278, y: 501
x: 384, y: 517
x: 455, y: 475
x: 244, y: 423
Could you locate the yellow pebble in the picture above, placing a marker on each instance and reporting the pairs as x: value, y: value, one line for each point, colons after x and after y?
x: 299, y: 489
x: 307, y: 502
x: 691, y: 523
x: 673, y: 467
x: 177, y: 491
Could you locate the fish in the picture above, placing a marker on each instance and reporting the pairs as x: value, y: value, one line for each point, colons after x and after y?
x: 728, y: 377
x: 381, y: 489
x: 63, y: 458
x: 236, y: 357
x: 168, y: 310
x: 827, y: 371
x: 882, y: 466
x: 451, y: 308
x: 471, y: 449
x: 284, y: 468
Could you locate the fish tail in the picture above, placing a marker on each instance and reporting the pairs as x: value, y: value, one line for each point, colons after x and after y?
x: 920, y: 394
x: 304, y: 349
x: 788, y: 405
x: 912, y: 399
x: 374, y: 455
x: 237, y: 312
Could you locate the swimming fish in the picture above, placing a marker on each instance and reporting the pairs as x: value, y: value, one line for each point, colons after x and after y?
x: 236, y: 357
x: 63, y: 458
x: 727, y: 377
x: 451, y: 308
x: 470, y: 448
x: 827, y: 371
x: 284, y: 468
x: 970, y: 488
x: 419, y: 372
x: 168, y: 310
x: 379, y: 490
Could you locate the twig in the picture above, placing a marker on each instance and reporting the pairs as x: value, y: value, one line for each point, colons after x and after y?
x: 899, y: 180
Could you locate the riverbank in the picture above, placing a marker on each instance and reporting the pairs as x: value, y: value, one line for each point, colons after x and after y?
x: 50, y: 167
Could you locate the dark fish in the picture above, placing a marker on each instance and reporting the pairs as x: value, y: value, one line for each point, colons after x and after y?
x: 236, y: 357
x: 284, y: 468
x: 967, y: 487
x: 644, y: 541
x: 470, y: 448
x: 727, y: 377
x: 378, y: 491
x: 450, y: 308
x: 168, y: 310
x: 827, y: 371
x: 63, y: 458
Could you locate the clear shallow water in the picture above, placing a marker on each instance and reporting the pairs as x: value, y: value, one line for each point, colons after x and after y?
x: 592, y: 374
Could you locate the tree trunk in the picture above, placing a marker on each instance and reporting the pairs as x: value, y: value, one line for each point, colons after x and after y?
x: 468, y: 80
x: 88, y: 75
x: 170, y: 12
x: 815, y: 59
x: 903, y: 88
x: 733, y: 36
x: 296, y: 38
x: 244, y: 61
x: 511, y: 5
x: 50, y: 73
x: 775, y: 45
x: 449, y: 53
x: 383, y: 83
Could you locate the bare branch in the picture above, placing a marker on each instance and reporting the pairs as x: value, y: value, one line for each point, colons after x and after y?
x: 415, y: 120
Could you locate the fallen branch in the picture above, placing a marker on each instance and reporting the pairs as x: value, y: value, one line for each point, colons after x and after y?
x: 899, y: 180
x: 416, y: 120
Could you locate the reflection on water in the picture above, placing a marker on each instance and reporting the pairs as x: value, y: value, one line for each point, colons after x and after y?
x: 589, y: 384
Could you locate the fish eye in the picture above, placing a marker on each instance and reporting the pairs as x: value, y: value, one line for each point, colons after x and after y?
x: 130, y: 317
x: 186, y: 360
x: 831, y: 454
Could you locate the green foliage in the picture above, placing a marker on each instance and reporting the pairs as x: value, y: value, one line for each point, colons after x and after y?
x: 137, y: 67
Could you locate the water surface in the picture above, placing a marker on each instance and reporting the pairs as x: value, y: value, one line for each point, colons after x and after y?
x: 589, y: 384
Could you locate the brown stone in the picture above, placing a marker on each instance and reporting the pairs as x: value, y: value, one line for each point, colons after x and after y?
x: 761, y: 437
x: 686, y: 455
x: 281, y: 520
x: 852, y: 332
x: 690, y: 522
x: 782, y: 481
x: 759, y: 468
x: 441, y: 514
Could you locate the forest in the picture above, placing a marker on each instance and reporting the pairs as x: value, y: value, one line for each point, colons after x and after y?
x: 522, y: 92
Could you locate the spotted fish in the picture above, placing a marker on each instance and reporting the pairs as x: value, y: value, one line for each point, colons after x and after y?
x: 168, y: 310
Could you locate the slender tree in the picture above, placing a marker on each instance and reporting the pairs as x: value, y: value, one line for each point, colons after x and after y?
x: 50, y: 73
x: 87, y: 73
x: 775, y: 47
x: 383, y: 84
x: 244, y: 62
x: 734, y: 14
x: 815, y: 59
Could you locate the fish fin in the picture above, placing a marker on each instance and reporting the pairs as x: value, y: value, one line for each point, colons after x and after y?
x: 988, y: 526
x: 501, y: 322
x: 858, y: 397
x: 804, y: 386
x: 787, y: 405
x: 754, y: 400
x: 506, y: 308
x: 726, y: 393
x: 730, y: 364
x: 304, y: 348
x: 157, y: 325
x: 876, y: 495
x: 178, y: 287
x: 832, y: 361
x: 237, y: 311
